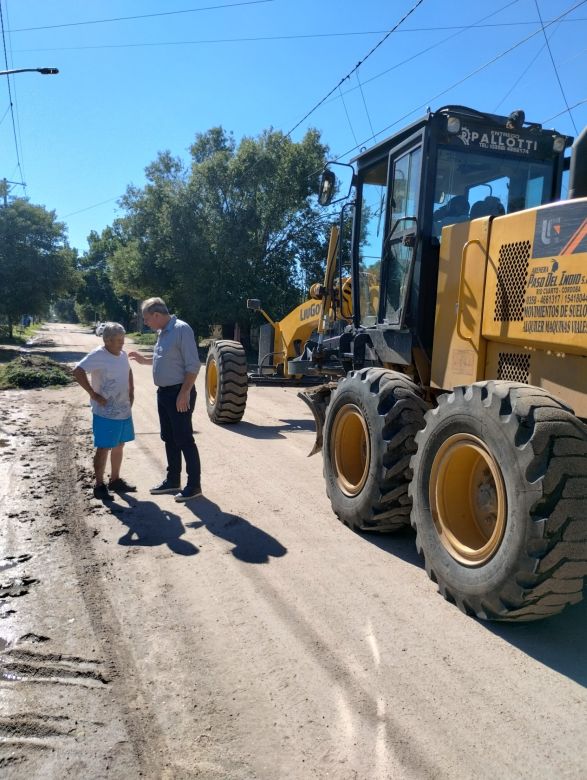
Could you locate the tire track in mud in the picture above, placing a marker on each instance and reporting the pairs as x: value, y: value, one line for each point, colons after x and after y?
x: 136, y: 708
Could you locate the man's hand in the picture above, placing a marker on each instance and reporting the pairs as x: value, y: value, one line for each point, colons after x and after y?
x: 182, y: 403
x: 99, y: 399
x: 139, y: 358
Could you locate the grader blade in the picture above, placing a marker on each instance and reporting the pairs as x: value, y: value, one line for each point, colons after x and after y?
x: 317, y: 399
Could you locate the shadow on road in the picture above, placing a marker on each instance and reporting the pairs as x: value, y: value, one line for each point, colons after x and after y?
x: 251, y: 544
x: 252, y: 431
x: 60, y: 356
x: 57, y: 354
x: 151, y: 526
x: 402, y: 544
x: 558, y: 642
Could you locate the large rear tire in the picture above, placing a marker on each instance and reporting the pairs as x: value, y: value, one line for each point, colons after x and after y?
x: 369, y: 433
x: 226, y: 382
x: 500, y: 501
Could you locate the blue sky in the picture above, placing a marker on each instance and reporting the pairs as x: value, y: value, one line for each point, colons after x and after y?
x: 130, y: 88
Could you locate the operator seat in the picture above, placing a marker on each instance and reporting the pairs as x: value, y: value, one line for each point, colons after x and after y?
x: 456, y: 210
x: 489, y: 207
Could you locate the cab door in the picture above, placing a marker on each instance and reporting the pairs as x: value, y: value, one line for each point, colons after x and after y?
x: 402, y: 234
x: 368, y: 235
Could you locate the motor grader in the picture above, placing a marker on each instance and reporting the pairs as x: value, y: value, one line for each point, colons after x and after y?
x: 456, y: 392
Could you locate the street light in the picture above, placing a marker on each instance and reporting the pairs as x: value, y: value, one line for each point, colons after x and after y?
x: 44, y: 71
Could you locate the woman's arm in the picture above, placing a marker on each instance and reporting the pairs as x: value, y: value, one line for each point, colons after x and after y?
x: 81, y: 378
x: 131, y: 387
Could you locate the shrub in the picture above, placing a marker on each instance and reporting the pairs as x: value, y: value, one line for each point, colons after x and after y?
x: 147, y: 339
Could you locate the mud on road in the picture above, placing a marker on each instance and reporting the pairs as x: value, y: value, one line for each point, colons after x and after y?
x: 61, y: 711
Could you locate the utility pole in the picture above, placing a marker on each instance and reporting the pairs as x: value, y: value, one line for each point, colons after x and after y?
x: 5, y: 184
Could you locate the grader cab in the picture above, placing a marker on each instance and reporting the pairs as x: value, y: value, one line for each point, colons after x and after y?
x: 456, y: 393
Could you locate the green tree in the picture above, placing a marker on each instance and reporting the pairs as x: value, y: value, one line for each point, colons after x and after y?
x: 36, y: 264
x: 240, y: 222
x: 97, y: 298
x: 152, y: 238
x: 63, y: 310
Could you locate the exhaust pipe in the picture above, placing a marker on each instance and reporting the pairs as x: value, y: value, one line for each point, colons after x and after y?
x: 578, y: 170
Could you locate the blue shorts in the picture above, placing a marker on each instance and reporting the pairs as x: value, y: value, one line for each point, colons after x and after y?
x: 110, y: 433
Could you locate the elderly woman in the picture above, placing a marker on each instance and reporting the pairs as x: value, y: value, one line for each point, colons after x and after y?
x: 111, y: 392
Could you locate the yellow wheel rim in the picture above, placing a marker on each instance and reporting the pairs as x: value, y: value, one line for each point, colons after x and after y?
x: 468, y: 499
x: 352, y: 449
x: 212, y: 382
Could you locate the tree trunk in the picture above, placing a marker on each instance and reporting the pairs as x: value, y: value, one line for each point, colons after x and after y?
x: 139, y: 317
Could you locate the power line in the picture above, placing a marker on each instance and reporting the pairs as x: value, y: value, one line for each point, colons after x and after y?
x: 15, y: 99
x: 94, y: 206
x: 365, y: 105
x: 554, y: 66
x: 258, y: 38
x: 465, y: 78
x: 267, y: 37
x: 249, y: 39
x: 433, y: 46
x: 10, y: 92
x: 357, y: 66
x: 420, y: 53
x: 522, y: 74
x: 550, y: 118
x: 140, y: 16
x: 347, y: 115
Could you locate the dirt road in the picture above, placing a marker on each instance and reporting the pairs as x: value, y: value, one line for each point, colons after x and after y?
x: 247, y: 634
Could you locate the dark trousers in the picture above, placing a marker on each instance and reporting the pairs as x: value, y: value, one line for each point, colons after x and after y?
x: 177, y: 433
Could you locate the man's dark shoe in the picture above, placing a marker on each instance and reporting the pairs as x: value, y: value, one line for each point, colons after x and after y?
x: 102, y: 493
x: 189, y: 492
x: 121, y: 486
x: 164, y: 487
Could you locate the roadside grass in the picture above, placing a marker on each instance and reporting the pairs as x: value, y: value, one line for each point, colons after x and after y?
x: 19, y: 335
x: 145, y: 339
x: 29, y: 371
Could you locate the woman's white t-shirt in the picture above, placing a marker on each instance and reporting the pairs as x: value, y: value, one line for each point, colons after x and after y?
x: 109, y: 376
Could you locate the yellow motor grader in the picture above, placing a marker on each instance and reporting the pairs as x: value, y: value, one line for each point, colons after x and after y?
x: 456, y: 394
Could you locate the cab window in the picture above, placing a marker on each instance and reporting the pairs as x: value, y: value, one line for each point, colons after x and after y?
x: 371, y: 231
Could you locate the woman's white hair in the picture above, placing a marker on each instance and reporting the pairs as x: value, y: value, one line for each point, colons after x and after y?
x: 112, y: 329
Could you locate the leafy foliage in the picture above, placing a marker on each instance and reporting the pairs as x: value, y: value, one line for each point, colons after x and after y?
x: 64, y: 310
x: 97, y: 298
x: 36, y: 265
x: 240, y: 222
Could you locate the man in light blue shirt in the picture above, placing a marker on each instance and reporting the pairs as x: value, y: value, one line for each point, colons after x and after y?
x: 175, y: 364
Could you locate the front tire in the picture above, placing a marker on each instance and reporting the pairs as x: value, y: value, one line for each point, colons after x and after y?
x: 500, y: 501
x: 226, y: 382
x: 369, y: 433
